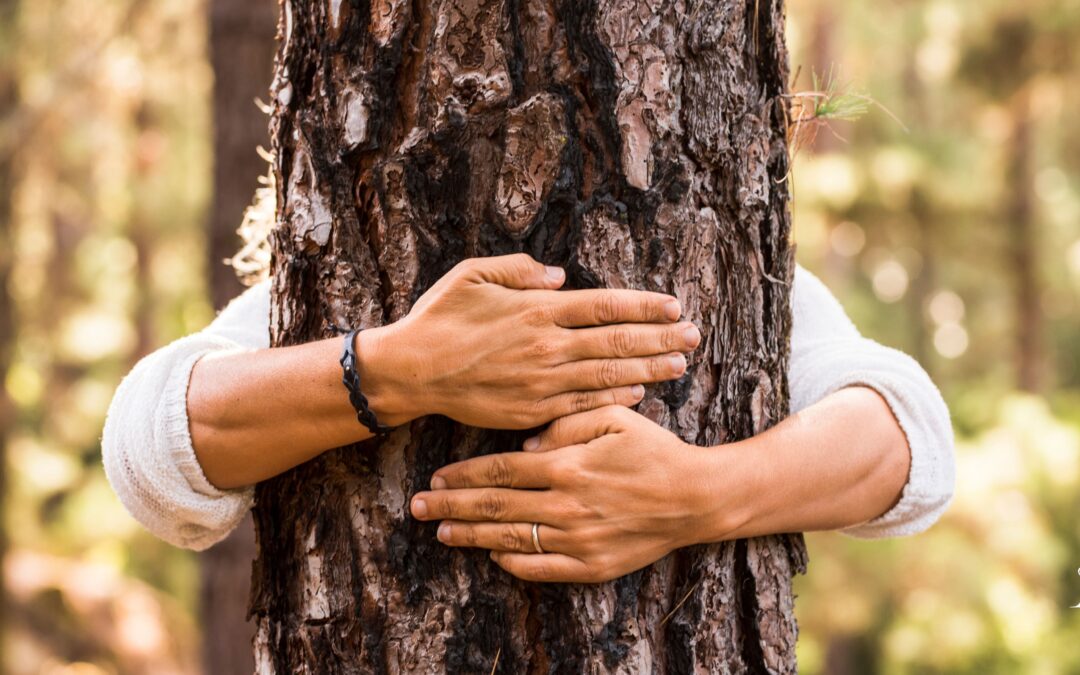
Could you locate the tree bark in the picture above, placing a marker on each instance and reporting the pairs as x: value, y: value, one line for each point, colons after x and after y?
x: 639, y: 144
x: 242, y: 54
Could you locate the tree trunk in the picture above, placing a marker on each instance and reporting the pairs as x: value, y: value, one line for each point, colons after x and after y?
x: 242, y: 54
x: 641, y: 144
x: 8, y: 104
x: 1023, y: 235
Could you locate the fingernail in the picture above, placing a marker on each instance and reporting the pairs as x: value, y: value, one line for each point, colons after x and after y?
x: 438, y: 483
x: 444, y: 532
x: 531, y: 443
x: 419, y: 508
x: 638, y: 391
x: 692, y: 336
x: 555, y: 273
x: 673, y: 310
x: 678, y: 362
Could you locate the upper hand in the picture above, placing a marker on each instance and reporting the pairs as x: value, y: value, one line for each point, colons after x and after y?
x: 493, y: 344
x: 612, y: 490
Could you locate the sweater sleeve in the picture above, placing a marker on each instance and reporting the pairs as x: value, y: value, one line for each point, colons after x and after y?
x: 146, y: 443
x: 828, y: 354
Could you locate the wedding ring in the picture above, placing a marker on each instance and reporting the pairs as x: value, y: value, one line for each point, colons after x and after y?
x: 536, y: 538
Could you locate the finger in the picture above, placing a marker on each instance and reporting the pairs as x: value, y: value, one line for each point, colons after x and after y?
x: 518, y: 271
x: 611, y: 373
x: 578, y: 429
x: 550, y: 567
x: 597, y: 307
x: 628, y: 340
x: 509, y: 470
x: 573, y: 402
x: 513, y: 537
x: 483, y: 504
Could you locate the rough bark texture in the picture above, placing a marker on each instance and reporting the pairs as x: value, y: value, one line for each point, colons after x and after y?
x: 640, y: 143
x: 242, y: 54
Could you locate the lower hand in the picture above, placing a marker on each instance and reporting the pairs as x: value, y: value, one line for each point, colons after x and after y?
x: 612, y: 491
x: 494, y: 344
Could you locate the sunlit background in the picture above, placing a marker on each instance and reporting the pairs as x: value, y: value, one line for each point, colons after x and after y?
x: 946, y: 218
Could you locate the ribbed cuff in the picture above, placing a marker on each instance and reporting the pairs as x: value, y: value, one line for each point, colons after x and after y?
x: 176, y: 424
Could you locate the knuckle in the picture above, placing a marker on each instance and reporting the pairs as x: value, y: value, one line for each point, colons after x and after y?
x: 467, y: 265
x: 672, y: 339
x: 541, y: 350
x: 498, y: 472
x: 523, y: 261
x: 613, y: 413
x: 562, y: 470
x: 658, y: 367
x: 580, y: 401
x: 606, y: 309
x: 647, y: 307
x: 492, y: 506
x: 623, y: 341
x: 572, y: 511
x: 609, y: 374
x: 469, y: 536
x: 620, y: 413
x: 540, y: 315
x: 509, y: 539
x: 536, y: 412
x: 542, y: 411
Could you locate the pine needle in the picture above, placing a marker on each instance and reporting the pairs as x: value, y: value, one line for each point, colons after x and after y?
x: 829, y: 100
x: 680, y: 604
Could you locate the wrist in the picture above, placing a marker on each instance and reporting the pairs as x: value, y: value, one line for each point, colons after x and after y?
x: 730, y: 492
x: 385, y: 377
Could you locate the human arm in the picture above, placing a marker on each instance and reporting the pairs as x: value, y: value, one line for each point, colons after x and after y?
x: 621, y: 492
x: 492, y: 344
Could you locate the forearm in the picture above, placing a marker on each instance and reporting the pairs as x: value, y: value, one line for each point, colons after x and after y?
x: 835, y: 464
x: 257, y: 414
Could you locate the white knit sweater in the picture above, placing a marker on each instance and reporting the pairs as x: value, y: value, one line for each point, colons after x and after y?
x: 152, y: 467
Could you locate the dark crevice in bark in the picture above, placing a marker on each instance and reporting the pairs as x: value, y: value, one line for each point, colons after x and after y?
x: 753, y: 659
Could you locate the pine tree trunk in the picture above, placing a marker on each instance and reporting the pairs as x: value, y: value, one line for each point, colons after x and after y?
x: 641, y: 144
x: 241, y: 52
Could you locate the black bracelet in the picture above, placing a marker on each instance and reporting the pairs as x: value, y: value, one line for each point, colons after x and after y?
x: 351, y: 380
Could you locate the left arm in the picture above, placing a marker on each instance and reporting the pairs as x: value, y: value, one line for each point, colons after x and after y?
x: 614, y: 492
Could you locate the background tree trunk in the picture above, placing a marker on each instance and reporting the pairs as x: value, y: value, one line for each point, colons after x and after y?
x: 640, y: 143
x: 8, y: 104
x: 242, y: 54
x: 1022, y: 249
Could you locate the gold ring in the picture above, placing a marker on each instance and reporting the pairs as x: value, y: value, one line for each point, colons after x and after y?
x: 536, y: 538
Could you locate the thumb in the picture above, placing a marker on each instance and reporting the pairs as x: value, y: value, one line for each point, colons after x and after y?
x: 519, y: 271
x: 576, y: 429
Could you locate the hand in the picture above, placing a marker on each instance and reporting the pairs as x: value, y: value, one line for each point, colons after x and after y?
x: 612, y: 491
x: 493, y: 344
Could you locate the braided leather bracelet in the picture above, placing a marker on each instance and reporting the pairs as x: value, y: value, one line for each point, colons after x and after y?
x: 351, y: 380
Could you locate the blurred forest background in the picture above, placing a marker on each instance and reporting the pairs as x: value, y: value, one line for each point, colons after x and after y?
x: 128, y: 134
